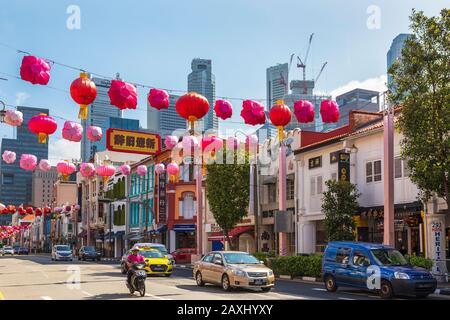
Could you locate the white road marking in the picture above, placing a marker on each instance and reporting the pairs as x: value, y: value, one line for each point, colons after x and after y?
x: 156, y: 297
x: 47, y: 298
x: 319, y: 289
x: 87, y: 293
x: 342, y: 298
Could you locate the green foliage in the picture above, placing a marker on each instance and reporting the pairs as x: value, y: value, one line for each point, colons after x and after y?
x: 227, y: 190
x: 340, y: 204
x: 297, y: 266
x: 419, y: 261
x: 262, y: 256
x: 421, y: 85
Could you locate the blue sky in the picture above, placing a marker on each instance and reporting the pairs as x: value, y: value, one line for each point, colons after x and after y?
x: 153, y: 42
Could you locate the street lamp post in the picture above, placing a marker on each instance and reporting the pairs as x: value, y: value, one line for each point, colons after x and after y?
x: 388, y: 159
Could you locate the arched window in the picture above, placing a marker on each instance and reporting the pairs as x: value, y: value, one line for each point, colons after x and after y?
x: 187, y: 205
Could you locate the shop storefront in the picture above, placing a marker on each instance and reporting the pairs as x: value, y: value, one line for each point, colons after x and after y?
x: 242, y: 237
x: 184, y: 236
x: 408, y: 226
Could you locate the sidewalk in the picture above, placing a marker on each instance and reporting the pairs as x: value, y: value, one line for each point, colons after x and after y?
x: 443, y: 289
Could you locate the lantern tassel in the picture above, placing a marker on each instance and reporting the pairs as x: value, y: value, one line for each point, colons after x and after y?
x: 65, y: 177
x: 105, y: 179
x: 42, y: 137
x: 280, y: 133
x: 83, y: 114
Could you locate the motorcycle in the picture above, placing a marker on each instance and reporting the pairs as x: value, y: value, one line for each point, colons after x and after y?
x: 137, y: 279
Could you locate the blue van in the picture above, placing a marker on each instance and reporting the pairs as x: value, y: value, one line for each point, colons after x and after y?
x: 374, y: 267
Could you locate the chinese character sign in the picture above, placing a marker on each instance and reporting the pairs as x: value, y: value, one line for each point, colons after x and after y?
x: 162, y: 216
x: 133, y: 141
x: 344, y: 166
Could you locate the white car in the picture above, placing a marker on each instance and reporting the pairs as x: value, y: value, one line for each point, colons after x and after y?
x: 8, y: 250
x: 62, y: 252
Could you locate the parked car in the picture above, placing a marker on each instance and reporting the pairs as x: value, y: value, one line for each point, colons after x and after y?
x: 183, y: 255
x: 232, y: 269
x: 158, y: 246
x: 88, y: 252
x: 8, y: 250
x: 23, y: 250
x: 374, y: 267
x: 61, y: 252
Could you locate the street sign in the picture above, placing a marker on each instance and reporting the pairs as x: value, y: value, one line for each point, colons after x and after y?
x: 162, y: 215
x: 133, y: 141
x: 283, y: 221
x: 344, y: 166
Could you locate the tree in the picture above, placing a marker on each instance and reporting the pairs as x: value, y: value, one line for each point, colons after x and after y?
x: 421, y: 86
x: 227, y: 190
x: 340, y: 204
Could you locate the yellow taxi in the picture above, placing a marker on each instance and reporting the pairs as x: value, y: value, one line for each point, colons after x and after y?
x: 156, y: 262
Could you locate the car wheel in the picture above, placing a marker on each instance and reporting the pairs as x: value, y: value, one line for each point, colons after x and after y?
x: 330, y: 283
x: 266, y: 289
x: 199, y: 279
x: 386, y: 291
x: 226, y: 283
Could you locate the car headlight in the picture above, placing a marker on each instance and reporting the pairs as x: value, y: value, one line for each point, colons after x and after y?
x: 239, y: 273
x: 270, y: 273
x: 401, y: 275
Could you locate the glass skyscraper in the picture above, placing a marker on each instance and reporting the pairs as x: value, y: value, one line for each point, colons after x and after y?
x: 202, y: 81
x: 99, y: 113
x: 165, y: 121
x: 16, y: 184
x: 395, y: 52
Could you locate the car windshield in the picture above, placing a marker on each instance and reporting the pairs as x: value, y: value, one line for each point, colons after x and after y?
x: 161, y: 249
x: 389, y: 257
x: 8, y: 248
x: 240, y: 258
x: 89, y: 249
x: 151, y: 254
x: 62, y: 248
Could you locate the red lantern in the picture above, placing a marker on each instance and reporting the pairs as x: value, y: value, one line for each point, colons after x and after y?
x: 11, y: 209
x: 83, y: 92
x: 304, y: 111
x: 42, y: 125
x: 29, y: 210
x: 106, y: 171
x: 47, y: 210
x: 123, y: 95
x: 192, y: 106
x: 280, y: 116
x: 35, y: 70
x: 223, y: 109
x: 38, y: 212
x: 158, y: 99
x: 212, y: 144
x: 253, y: 112
x: 329, y: 110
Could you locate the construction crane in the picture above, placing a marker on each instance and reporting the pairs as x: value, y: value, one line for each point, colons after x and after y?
x: 320, y: 72
x: 302, y: 64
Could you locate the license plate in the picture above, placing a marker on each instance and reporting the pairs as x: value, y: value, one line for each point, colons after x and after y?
x: 140, y: 273
x: 259, y: 281
x: 158, y: 269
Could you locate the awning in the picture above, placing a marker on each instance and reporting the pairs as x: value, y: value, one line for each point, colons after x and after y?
x: 160, y: 229
x: 134, y: 237
x: 119, y: 234
x: 233, y: 233
x: 83, y: 234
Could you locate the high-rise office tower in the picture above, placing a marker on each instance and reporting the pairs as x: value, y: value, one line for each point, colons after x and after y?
x: 16, y: 183
x: 165, y: 121
x: 99, y: 113
x: 395, y: 51
x: 202, y: 81
x: 43, y: 187
x: 356, y: 99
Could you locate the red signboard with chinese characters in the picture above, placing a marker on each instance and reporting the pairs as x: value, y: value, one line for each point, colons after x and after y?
x: 133, y: 141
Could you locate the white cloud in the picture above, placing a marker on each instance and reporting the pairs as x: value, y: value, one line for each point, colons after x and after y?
x: 376, y: 84
x: 21, y: 97
x: 62, y: 149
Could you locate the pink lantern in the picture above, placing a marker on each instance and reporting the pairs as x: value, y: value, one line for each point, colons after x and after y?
x: 59, y: 209
x: 190, y: 144
x: 35, y: 70
x: 171, y: 142
x: 251, y: 139
x: 66, y: 168
x: 77, y: 207
x: 28, y: 162
x: 253, y: 112
x: 45, y: 165
x: 232, y: 143
x: 141, y: 170
x: 158, y: 99
x: 106, y: 171
x: 172, y: 170
x: 329, y: 110
x: 123, y: 95
x: 223, y: 109
x: 13, y: 118
x: 125, y: 169
x: 94, y: 133
x: 304, y: 111
x: 72, y: 131
x: 9, y: 156
x: 211, y: 144
x: 160, y: 168
x: 87, y: 169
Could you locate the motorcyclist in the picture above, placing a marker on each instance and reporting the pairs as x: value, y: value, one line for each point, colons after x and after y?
x: 132, y: 259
